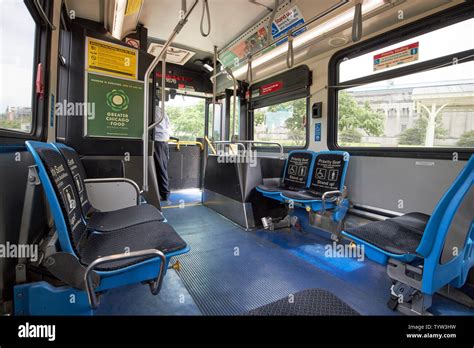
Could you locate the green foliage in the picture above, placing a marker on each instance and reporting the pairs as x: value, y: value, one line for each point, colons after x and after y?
x: 296, y: 123
x: 259, y: 117
x: 353, y: 116
x: 350, y: 136
x: 466, y: 139
x: 417, y: 134
x: 187, y: 122
x: 412, y: 136
x: 13, y: 124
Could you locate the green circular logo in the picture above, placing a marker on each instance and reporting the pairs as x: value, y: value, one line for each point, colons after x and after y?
x: 117, y: 100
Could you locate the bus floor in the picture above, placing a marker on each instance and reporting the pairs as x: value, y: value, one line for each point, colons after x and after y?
x: 230, y: 271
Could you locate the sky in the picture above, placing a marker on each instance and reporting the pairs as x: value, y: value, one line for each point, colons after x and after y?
x: 17, y: 32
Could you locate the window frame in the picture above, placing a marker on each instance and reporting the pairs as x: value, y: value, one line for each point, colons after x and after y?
x: 39, y: 106
x: 280, y: 100
x: 417, y: 28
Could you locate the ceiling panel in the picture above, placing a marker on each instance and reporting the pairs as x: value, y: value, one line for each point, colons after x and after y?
x: 229, y: 18
x: 88, y: 9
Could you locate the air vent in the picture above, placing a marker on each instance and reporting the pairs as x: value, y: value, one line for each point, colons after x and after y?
x: 173, y: 55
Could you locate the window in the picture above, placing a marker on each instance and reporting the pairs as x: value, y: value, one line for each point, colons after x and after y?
x: 186, y: 116
x: 416, y: 93
x: 234, y: 124
x: 284, y: 123
x: 215, y: 126
x: 17, y: 48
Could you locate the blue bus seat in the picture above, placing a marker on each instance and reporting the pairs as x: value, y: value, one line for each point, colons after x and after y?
x: 296, y: 175
x: 132, y: 254
x: 327, y: 178
x: 397, y: 237
x: 110, y: 220
x: 426, y: 253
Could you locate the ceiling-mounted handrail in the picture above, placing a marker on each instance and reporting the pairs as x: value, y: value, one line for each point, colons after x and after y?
x: 357, y: 24
x: 43, y: 15
x: 146, y: 93
x: 272, y: 18
x: 249, y: 69
x: 290, y: 55
x: 205, y: 11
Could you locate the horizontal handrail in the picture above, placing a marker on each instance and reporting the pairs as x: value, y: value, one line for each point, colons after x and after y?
x: 229, y: 142
x: 280, y: 146
x: 154, y: 287
x: 186, y: 142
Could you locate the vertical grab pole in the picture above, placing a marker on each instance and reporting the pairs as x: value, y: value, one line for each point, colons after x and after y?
x: 234, y: 102
x: 214, y: 92
x: 146, y: 93
x: 163, y: 86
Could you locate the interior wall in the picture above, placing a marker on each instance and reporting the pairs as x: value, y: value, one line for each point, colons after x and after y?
x: 397, y: 184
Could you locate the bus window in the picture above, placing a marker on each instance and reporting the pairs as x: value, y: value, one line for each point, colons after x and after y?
x: 283, y: 123
x: 186, y: 116
x: 235, y: 124
x: 385, y: 101
x: 215, y: 123
x: 17, y: 45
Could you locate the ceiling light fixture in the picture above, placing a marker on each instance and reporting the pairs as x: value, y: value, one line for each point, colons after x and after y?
x: 119, y: 16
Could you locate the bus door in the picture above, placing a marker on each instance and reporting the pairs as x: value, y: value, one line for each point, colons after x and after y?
x: 187, y: 122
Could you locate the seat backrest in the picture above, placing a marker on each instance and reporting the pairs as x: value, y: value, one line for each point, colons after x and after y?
x: 297, y: 170
x: 329, y: 172
x: 447, y: 243
x: 62, y: 196
x: 79, y: 175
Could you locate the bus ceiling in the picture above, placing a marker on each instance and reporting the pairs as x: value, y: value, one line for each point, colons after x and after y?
x: 241, y: 30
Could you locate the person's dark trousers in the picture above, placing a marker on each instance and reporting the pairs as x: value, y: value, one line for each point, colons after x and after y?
x: 162, y: 155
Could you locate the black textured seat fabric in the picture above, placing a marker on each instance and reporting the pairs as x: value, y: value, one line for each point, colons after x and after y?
x: 104, y: 221
x: 302, y: 195
x: 88, y: 245
x: 271, y: 188
x: 149, y: 235
x: 400, y: 235
x: 307, y: 302
x: 123, y: 218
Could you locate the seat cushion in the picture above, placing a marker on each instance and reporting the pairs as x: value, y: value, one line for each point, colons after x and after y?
x: 301, y: 195
x: 149, y: 235
x: 414, y: 221
x: 271, y: 188
x: 400, y: 235
x: 123, y: 218
x: 307, y: 302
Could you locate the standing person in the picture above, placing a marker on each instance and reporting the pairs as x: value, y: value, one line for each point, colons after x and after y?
x: 162, y: 154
